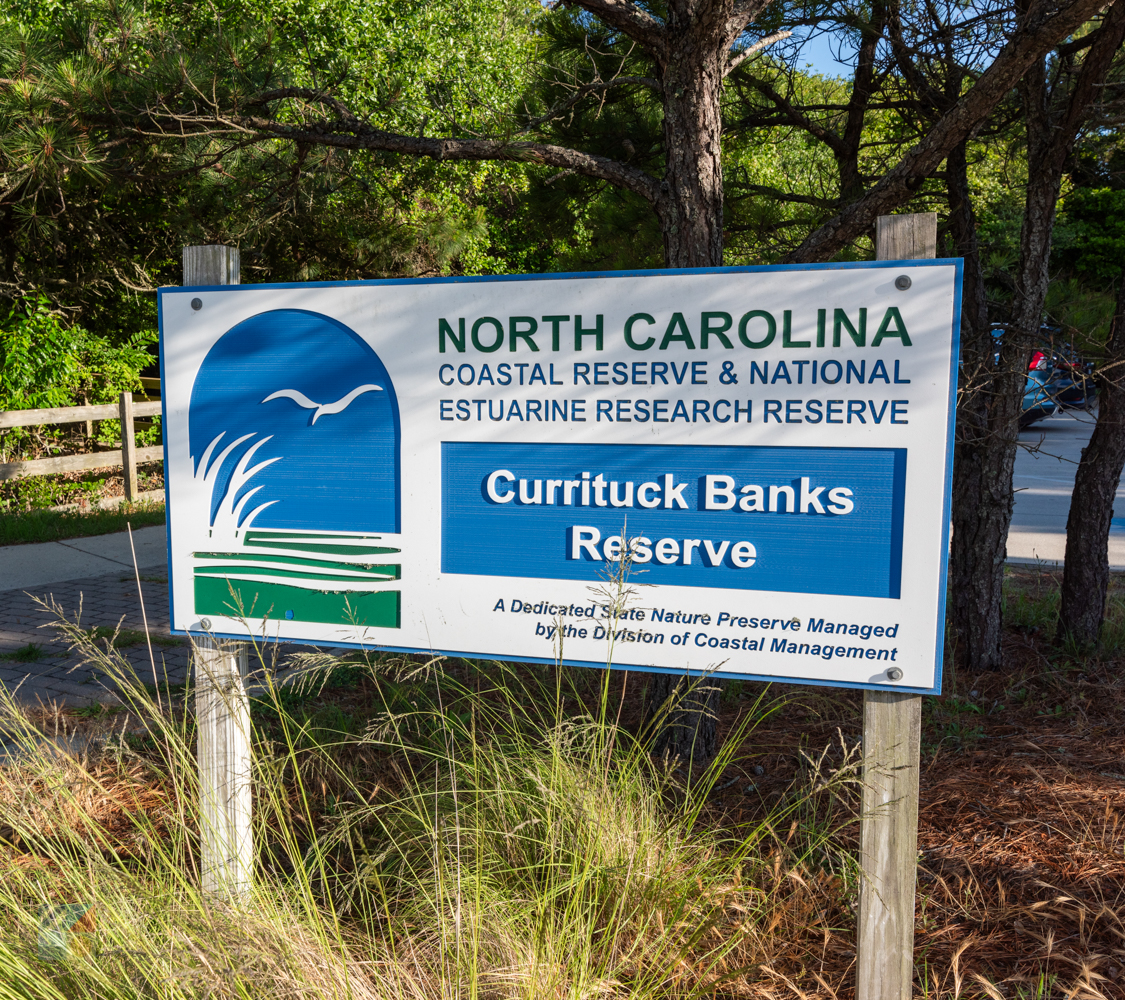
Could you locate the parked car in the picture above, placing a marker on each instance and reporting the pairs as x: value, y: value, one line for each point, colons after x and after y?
x: 1056, y: 377
x: 1038, y: 398
x: 1071, y: 381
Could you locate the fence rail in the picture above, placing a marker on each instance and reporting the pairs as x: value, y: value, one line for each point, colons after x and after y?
x: 74, y: 414
x: 128, y: 456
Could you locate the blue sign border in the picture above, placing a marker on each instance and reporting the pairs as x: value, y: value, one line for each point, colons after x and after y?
x: 955, y: 354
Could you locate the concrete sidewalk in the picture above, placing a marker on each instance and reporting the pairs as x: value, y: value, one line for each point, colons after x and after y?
x: 44, y: 563
x: 92, y: 579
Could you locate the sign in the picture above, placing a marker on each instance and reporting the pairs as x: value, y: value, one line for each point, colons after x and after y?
x: 459, y: 465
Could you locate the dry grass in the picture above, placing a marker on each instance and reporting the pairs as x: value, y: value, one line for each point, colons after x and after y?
x: 1021, y: 881
x: 403, y: 864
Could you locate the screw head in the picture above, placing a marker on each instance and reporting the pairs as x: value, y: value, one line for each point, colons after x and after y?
x: 894, y: 674
x: 205, y: 624
x: 902, y: 283
x: 197, y: 304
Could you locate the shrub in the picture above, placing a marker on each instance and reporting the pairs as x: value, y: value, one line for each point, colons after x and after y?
x: 46, y: 363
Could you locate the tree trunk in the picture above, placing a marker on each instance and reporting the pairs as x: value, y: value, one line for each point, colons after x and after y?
x: 984, y: 450
x: 684, y: 710
x: 690, y: 204
x: 686, y: 727
x: 1086, y: 571
x: 863, y: 88
x: 983, y: 497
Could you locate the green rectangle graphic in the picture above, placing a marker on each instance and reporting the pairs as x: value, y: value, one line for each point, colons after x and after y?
x: 277, y: 601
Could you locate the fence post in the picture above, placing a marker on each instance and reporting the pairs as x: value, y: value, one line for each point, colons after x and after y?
x: 892, y: 724
x: 128, y: 444
x: 222, y: 710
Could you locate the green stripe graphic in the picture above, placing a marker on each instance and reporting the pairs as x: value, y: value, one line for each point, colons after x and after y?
x: 260, y: 559
x: 333, y: 550
x: 324, y: 579
x: 277, y: 601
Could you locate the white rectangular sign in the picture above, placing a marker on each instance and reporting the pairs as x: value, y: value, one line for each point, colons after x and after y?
x: 457, y: 465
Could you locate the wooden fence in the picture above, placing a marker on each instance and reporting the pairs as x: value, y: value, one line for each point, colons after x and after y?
x: 125, y: 409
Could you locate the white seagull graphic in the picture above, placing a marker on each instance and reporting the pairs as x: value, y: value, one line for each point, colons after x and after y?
x: 321, y: 408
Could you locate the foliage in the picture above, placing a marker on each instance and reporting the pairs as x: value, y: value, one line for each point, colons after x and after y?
x: 45, y: 362
x: 94, y: 215
x: 95, y: 209
x: 1091, y: 233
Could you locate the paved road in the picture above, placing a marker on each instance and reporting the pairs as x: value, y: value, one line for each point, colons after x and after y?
x: 1044, y: 480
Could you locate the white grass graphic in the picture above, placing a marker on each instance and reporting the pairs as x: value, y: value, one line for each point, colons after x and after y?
x: 227, y: 535
x: 225, y: 525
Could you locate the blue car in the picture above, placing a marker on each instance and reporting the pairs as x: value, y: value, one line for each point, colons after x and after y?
x: 1038, y: 398
x: 1040, y: 394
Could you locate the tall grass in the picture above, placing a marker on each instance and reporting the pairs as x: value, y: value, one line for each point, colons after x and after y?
x: 1032, y: 596
x: 436, y: 828
x: 474, y: 832
x: 22, y: 528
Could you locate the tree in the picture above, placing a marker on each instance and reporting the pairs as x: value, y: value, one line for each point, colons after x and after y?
x: 1056, y: 102
x: 96, y: 222
x: 1100, y: 216
x: 240, y: 96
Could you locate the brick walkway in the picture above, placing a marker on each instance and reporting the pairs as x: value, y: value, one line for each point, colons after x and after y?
x: 56, y: 674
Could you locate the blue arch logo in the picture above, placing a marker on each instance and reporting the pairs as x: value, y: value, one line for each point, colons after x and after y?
x: 294, y: 430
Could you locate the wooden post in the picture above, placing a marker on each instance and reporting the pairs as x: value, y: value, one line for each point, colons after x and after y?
x: 892, y: 725
x: 128, y: 444
x: 222, y: 719
x: 211, y: 265
x: 222, y: 711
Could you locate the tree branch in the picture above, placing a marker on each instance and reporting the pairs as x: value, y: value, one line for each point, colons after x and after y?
x: 356, y: 135
x: 738, y: 58
x: 777, y: 194
x: 796, y: 117
x: 584, y: 91
x: 1104, y: 45
x: 744, y: 14
x: 1034, y: 40
x: 629, y: 19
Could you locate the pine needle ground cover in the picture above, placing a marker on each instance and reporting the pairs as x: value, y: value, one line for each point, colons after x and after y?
x: 447, y: 829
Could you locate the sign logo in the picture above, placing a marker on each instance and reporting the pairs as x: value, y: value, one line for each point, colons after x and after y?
x: 294, y: 434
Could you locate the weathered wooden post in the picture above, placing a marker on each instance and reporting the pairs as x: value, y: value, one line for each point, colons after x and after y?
x: 128, y: 444
x: 892, y: 725
x: 222, y: 710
